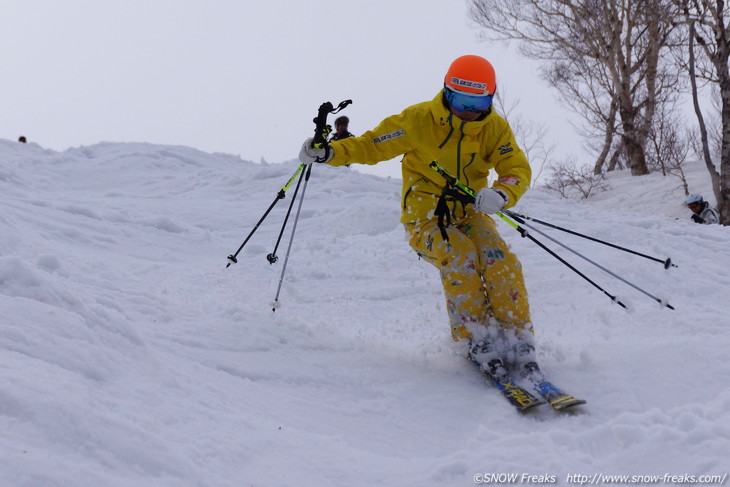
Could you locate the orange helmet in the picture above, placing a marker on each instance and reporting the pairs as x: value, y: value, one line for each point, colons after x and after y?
x: 472, y: 75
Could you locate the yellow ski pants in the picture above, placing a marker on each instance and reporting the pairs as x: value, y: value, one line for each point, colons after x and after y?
x: 482, y: 279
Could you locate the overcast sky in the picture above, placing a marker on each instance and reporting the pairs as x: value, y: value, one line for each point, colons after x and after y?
x: 240, y: 77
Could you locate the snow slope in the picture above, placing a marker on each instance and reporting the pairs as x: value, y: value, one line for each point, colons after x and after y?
x: 130, y: 355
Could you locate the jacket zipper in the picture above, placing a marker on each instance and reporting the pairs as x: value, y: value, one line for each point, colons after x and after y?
x: 458, y: 151
x: 405, y: 196
x: 451, y: 131
x: 466, y: 178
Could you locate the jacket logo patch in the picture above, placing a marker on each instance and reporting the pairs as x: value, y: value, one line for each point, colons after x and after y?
x: 509, y: 180
x: 503, y: 149
x: 392, y: 135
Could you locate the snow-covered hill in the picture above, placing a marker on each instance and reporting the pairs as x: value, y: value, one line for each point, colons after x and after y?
x: 131, y: 356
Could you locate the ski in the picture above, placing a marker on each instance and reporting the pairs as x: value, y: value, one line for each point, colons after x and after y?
x: 519, y: 397
x: 556, y: 397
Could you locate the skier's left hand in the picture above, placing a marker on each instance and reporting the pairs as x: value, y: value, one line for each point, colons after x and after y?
x: 696, y: 218
x: 309, y: 154
x: 490, y: 200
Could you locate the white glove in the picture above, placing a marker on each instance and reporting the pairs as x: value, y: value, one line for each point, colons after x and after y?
x: 490, y: 200
x: 310, y: 154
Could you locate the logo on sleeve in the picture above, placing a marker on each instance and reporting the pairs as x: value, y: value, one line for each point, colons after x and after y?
x: 390, y: 136
x: 503, y: 149
x: 509, y: 180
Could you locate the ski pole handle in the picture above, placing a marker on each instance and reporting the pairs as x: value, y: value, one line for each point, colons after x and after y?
x: 321, y: 128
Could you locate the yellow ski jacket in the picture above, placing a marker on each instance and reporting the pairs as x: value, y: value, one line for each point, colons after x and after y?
x: 428, y: 132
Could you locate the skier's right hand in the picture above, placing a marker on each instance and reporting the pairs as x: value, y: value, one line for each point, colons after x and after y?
x: 309, y: 154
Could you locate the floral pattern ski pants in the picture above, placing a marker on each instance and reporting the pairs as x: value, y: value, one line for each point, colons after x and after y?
x: 482, y: 279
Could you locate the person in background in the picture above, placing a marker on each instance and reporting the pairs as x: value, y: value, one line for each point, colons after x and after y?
x: 22, y: 139
x: 341, y: 131
x: 486, y: 298
x: 702, y: 212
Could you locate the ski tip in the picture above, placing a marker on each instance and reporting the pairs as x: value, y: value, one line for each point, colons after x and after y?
x: 567, y: 405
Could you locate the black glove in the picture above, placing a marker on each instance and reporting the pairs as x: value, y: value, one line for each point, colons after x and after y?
x: 696, y: 218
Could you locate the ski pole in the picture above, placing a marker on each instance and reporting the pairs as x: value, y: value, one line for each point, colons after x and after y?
x: 321, y: 131
x: 525, y: 233
x: 667, y: 263
x: 450, y: 179
x: 505, y: 218
x: 272, y: 257
x: 232, y: 259
x: 276, y: 303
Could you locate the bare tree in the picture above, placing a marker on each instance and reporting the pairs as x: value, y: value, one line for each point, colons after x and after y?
x: 708, y: 22
x: 530, y: 134
x: 670, y: 144
x: 588, y: 91
x: 571, y: 181
x: 608, y: 52
x: 714, y: 127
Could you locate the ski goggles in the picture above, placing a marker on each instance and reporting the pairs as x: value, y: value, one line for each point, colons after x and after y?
x: 462, y: 102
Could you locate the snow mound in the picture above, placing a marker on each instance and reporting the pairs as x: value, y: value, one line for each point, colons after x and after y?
x: 132, y: 356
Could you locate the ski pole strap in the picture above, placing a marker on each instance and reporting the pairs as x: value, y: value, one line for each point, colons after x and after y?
x: 442, y: 208
x: 454, y: 190
x: 321, y: 129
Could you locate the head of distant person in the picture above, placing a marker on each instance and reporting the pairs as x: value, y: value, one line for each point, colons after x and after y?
x: 695, y: 202
x: 22, y: 139
x: 341, y: 125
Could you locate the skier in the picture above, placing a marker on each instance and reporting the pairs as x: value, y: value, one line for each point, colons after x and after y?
x: 482, y: 279
x: 702, y: 212
x: 341, y: 132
